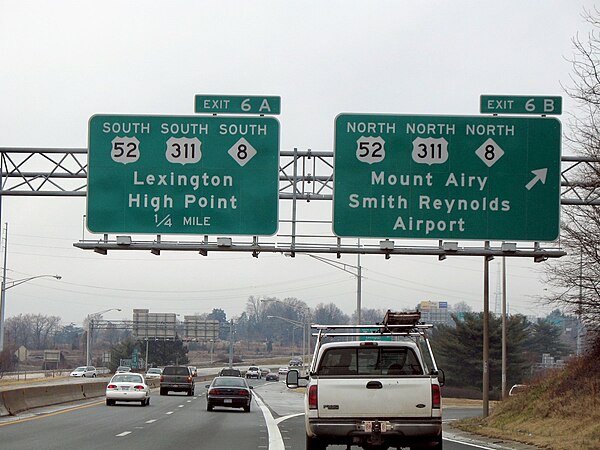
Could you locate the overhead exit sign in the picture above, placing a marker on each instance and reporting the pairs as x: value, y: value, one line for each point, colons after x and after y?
x: 183, y: 175
x: 520, y: 104
x: 237, y: 104
x: 442, y: 177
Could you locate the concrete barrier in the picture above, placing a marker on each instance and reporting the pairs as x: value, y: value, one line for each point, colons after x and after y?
x: 93, y: 390
x: 14, y: 401
x: 38, y: 396
x: 3, y: 410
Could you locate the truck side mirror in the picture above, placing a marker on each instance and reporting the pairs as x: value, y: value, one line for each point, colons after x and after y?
x: 291, y: 379
x: 441, y: 377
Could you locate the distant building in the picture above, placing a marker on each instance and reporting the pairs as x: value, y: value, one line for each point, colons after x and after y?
x: 434, y: 312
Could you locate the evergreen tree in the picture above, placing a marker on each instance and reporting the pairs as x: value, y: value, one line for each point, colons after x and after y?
x: 459, y: 350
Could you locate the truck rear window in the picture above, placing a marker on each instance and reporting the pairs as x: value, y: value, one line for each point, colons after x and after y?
x: 176, y: 371
x: 377, y: 361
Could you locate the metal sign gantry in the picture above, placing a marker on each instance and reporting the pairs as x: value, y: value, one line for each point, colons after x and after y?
x: 304, y: 176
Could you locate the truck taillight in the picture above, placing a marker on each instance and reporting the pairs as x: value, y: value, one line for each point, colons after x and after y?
x: 436, y: 396
x: 190, y: 379
x: 313, y: 397
x: 162, y: 378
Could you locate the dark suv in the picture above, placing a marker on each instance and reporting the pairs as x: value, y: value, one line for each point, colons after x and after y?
x: 177, y: 378
x: 230, y: 372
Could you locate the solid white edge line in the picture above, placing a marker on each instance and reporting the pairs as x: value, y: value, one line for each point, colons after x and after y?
x: 275, y: 439
x: 282, y: 418
x: 468, y: 443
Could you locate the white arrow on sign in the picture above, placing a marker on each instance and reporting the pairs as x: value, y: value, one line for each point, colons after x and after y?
x: 540, y: 175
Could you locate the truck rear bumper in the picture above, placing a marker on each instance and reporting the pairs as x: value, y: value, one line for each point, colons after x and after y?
x: 409, y: 429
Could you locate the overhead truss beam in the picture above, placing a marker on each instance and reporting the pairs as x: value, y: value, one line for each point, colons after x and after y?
x: 305, y: 175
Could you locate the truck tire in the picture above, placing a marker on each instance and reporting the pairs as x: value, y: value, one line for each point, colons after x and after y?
x: 314, y: 443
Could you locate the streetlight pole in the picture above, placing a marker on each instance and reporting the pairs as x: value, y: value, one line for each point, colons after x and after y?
x: 90, y: 327
x: 358, y: 274
x: 305, y: 324
x: 296, y: 324
x: 9, y: 285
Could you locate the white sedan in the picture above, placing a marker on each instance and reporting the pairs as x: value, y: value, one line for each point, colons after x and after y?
x: 153, y: 373
x: 127, y: 387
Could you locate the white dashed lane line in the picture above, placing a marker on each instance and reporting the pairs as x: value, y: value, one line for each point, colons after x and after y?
x: 125, y: 433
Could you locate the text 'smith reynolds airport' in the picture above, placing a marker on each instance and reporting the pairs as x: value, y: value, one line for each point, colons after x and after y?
x: 446, y: 177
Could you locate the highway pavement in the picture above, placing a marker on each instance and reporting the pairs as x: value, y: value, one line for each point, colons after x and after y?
x: 177, y: 421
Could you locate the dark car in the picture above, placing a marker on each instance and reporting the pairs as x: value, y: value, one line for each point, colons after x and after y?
x: 230, y: 392
x: 230, y: 372
x: 272, y: 376
x: 177, y: 378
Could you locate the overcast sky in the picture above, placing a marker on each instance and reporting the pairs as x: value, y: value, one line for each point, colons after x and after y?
x: 64, y: 61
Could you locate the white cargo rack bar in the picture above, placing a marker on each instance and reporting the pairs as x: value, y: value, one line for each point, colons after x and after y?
x: 379, y: 330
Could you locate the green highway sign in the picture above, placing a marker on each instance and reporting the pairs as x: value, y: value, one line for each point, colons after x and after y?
x: 183, y: 175
x: 376, y: 336
x: 237, y: 104
x: 520, y: 104
x: 447, y: 177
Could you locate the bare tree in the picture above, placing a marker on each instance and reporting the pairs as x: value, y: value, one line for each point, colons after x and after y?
x: 34, y: 331
x: 330, y: 314
x: 577, y: 276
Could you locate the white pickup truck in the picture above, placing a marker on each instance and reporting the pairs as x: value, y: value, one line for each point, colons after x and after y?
x: 378, y: 390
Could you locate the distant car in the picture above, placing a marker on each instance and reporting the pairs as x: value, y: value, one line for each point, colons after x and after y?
x: 194, y: 371
x: 253, y: 372
x: 283, y: 370
x: 230, y: 392
x: 84, y: 371
x: 153, y: 373
x: 226, y: 372
x: 295, y: 363
x: 123, y: 369
x: 127, y: 387
x: 272, y: 376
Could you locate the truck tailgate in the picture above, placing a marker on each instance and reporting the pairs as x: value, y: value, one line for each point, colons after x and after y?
x: 176, y: 379
x: 343, y: 397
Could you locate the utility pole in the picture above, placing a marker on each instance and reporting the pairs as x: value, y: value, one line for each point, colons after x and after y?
x: 358, y: 288
x: 231, y: 344
x: 578, y: 347
x: 504, y: 336
x: 486, y: 334
x: 3, y: 295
